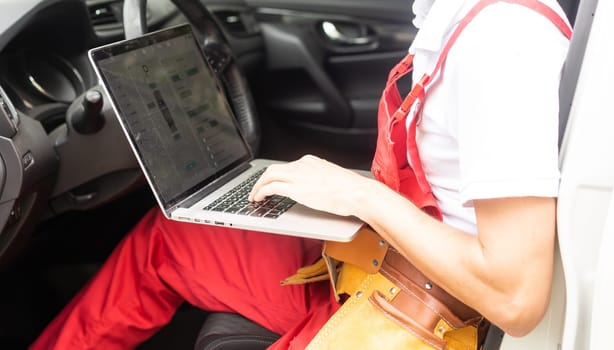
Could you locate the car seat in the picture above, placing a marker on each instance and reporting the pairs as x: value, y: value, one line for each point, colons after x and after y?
x: 228, y: 331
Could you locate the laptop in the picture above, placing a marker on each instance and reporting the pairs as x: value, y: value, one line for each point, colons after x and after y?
x: 185, y: 137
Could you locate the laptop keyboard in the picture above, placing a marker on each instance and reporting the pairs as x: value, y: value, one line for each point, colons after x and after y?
x: 236, y: 201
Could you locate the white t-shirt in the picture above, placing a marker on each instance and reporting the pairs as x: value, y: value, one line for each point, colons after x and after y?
x: 489, y: 126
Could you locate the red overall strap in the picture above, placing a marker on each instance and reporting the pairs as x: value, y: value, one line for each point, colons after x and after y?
x: 418, y: 91
x: 406, y: 65
x: 535, y: 5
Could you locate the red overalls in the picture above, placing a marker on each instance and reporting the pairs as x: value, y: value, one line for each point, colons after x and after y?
x: 163, y: 263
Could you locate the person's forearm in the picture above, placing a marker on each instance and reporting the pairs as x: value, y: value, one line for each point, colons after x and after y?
x: 443, y: 253
x: 504, y: 272
x: 459, y: 262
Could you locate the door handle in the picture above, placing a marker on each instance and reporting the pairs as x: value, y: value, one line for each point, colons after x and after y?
x: 349, y: 34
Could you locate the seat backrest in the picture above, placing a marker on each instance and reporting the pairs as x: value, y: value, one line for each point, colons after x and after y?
x: 571, y: 71
x: 571, y: 8
x: 587, y: 163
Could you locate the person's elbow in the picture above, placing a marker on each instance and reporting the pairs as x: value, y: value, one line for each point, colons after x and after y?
x: 522, y: 312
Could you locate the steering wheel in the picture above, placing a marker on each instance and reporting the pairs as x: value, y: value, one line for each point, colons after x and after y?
x: 217, y: 51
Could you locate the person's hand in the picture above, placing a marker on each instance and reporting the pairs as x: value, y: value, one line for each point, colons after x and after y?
x: 315, y: 183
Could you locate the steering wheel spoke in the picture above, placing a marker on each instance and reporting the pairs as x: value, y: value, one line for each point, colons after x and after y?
x: 218, y: 53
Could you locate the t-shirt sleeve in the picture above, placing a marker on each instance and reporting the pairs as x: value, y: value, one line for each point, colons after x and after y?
x: 507, y: 129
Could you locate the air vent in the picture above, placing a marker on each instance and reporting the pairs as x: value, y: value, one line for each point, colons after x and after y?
x: 104, y: 13
x: 235, y: 22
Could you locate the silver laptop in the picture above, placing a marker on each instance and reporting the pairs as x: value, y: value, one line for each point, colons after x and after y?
x: 187, y: 141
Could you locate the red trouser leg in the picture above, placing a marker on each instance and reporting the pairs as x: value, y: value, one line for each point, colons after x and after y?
x: 162, y: 263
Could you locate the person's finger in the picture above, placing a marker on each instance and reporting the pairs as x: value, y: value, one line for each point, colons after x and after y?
x: 269, y: 189
x: 275, y: 172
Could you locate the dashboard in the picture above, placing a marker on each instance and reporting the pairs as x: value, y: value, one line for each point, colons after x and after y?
x: 43, y: 54
x: 53, y: 157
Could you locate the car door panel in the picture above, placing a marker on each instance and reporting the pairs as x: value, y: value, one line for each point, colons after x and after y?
x: 325, y: 62
x: 326, y: 81
x: 386, y: 10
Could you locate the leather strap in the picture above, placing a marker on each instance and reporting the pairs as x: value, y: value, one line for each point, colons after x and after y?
x: 400, y: 270
x: 372, y: 254
x: 414, y: 324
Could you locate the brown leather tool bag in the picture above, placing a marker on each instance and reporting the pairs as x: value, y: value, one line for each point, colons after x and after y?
x: 391, y: 304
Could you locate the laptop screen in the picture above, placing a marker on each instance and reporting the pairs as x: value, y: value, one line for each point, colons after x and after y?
x: 173, y: 109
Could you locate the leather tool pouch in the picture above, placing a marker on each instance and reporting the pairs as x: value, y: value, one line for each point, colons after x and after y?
x: 390, y: 304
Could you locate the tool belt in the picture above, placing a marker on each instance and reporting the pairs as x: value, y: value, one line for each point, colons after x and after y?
x: 390, y: 304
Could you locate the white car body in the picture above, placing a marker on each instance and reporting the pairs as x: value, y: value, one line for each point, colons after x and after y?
x: 579, y: 313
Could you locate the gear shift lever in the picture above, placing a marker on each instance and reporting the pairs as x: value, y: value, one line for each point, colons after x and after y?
x: 86, y: 117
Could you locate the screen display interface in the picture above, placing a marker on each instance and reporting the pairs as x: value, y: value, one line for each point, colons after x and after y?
x: 174, y: 110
